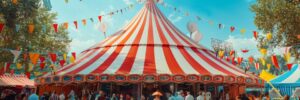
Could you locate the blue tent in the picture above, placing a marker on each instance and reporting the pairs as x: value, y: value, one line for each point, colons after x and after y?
x: 287, y: 82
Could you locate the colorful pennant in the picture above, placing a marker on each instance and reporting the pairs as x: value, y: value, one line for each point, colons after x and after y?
x: 256, y: 66
x: 255, y: 35
x: 1, y: 27
x: 76, y: 25
x: 34, y: 57
x: 55, y: 26
x: 66, y: 25
x: 275, y: 61
x: 16, y: 54
x: 30, y: 28
x: 289, y: 66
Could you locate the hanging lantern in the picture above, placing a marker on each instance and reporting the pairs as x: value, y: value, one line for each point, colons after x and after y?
x: 269, y: 36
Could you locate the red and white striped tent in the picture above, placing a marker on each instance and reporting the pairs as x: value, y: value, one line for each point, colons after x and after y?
x: 149, y: 48
x: 15, y: 80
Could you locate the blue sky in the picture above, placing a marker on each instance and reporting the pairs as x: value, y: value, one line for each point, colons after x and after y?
x: 228, y: 12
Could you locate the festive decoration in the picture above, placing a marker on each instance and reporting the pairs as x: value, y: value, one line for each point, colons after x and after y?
x: 221, y: 54
x: 1, y: 27
x: 250, y: 59
x: 99, y: 18
x: 42, y: 59
x: 65, y: 56
x: 72, y: 59
x: 30, y: 67
x: 192, y: 27
x: 34, y: 57
x: 19, y: 66
x: 266, y: 75
x: 196, y: 36
x: 62, y: 63
x: 17, y: 27
x: 52, y: 57
x: 55, y: 26
x: 256, y: 66
x: 275, y: 61
x: 269, y: 36
x: 76, y: 25
x: 27, y: 74
x: 30, y: 28
x: 6, y: 67
x: 287, y: 56
x: 74, y: 55
x: 289, y: 66
x: 263, y: 61
x: 243, y: 31
x: 221, y: 26
x: 268, y: 66
x: 255, y: 35
x: 240, y: 60
x: 245, y: 50
x: 84, y: 22
x: 263, y: 51
x: 14, y: 1
x: 66, y: 25
x: 16, y: 54
x: 42, y: 65
x: 103, y: 28
x: 231, y: 52
x: 232, y: 29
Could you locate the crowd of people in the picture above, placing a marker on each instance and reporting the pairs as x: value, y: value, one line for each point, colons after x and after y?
x: 102, y: 95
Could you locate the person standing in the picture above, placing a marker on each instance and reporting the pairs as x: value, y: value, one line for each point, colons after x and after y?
x: 33, y: 96
x: 62, y: 96
x: 200, y: 96
x: 189, y: 96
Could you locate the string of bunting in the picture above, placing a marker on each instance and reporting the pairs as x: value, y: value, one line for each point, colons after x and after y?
x: 31, y: 26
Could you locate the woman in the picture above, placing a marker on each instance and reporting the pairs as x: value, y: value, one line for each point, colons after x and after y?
x: 71, y: 95
x: 157, y: 95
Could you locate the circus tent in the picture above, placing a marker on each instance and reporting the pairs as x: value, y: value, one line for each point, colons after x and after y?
x: 150, y: 48
x: 287, y: 82
x: 7, y: 80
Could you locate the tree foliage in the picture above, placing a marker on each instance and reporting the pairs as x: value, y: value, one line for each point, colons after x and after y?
x: 23, y: 13
x: 282, y: 19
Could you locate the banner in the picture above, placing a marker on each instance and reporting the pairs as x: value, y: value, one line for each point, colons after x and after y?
x: 275, y: 61
x: 55, y: 26
x: 266, y: 75
x: 16, y: 54
x: 34, y: 57
x: 1, y: 27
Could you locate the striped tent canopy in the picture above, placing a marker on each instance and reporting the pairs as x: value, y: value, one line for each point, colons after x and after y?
x: 15, y: 80
x: 288, y: 81
x: 150, y: 45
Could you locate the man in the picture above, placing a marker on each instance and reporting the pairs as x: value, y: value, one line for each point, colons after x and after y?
x: 179, y: 96
x: 189, y: 96
x: 201, y: 96
x: 62, y: 96
x: 33, y: 96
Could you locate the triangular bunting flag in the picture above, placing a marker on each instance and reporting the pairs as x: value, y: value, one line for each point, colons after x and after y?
x: 268, y: 66
x: 1, y: 27
x: 289, y: 66
x: 256, y: 66
x: 52, y: 57
x: 99, y: 18
x: 66, y: 25
x: 65, y: 56
x: 76, y: 25
x: 250, y: 59
x: 30, y: 28
x: 232, y: 29
x: 240, y: 60
x: 275, y: 61
x: 84, y: 22
x: 27, y: 74
x: 34, y: 57
x: 62, y: 63
x: 55, y: 26
x: 255, y: 35
x: 16, y: 54
x: 19, y: 66
x: 42, y: 65
x: 92, y: 20
x: 42, y: 59
x: 74, y: 55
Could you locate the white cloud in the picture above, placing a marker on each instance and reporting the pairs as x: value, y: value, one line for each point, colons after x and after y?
x: 244, y: 43
x: 79, y: 45
x: 127, y: 2
x: 173, y: 18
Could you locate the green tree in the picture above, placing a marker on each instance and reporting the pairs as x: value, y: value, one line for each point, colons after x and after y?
x: 282, y: 19
x: 23, y: 13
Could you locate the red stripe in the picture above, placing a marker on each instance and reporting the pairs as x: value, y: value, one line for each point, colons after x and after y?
x: 179, y: 34
x: 129, y: 60
x: 210, y: 62
x: 149, y: 63
x: 171, y: 61
x: 199, y: 68
x: 226, y: 64
x: 97, y: 56
x: 100, y: 69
